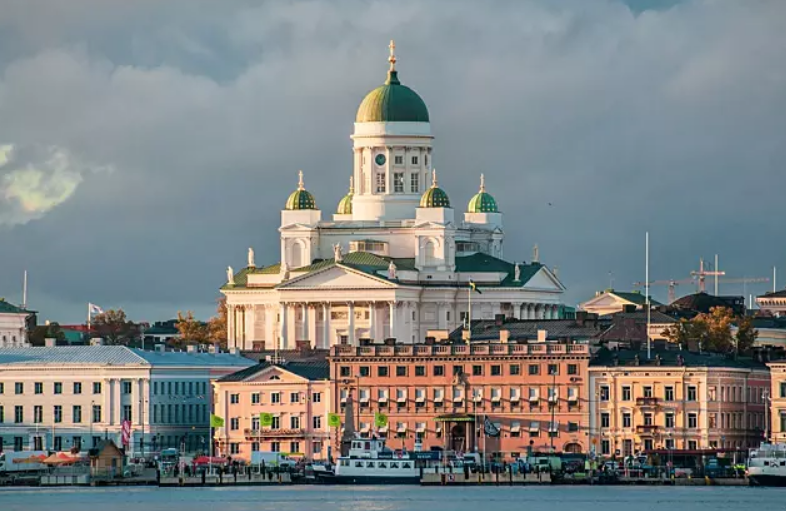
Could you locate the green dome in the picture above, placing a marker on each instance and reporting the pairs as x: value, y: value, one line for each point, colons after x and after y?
x: 300, y: 198
x: 435, y: 197
x: 392, y: 102
x: 345, y: 204
x: 482, y: 202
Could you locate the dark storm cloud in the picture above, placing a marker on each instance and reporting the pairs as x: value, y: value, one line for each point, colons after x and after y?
x: 183, y: 125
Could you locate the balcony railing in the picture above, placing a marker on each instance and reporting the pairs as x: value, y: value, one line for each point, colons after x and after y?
x: 647, y: 429
x: 647, y: 401
x: 273, y: 433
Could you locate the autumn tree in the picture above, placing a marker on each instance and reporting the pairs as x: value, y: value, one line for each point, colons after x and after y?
x: 192, y: 331
x: 217, y: 326
x: 714, y: 331
x: 113, y: 326
x: 38, y: 335
x: 746, y: 334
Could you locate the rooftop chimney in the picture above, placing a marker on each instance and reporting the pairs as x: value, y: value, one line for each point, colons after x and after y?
x: 504, y: 335
x: 50, y: 342
x: 542, y: 334
x: 191, y: 348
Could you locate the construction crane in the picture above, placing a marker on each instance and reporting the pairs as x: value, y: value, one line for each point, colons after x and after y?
x: 672, y: 283
x: 702, y: 274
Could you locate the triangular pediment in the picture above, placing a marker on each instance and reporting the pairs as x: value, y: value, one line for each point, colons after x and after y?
x: 544, y: 280
x: 606, y: 300
x: 337, y: 277
x: 274, y: 375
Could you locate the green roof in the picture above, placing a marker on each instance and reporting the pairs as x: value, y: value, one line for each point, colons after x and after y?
x: 9, y: 308
x: 479, y: 262
x: 482, y: 202
x: 392, y: 102
x: 633, y: 297
x: 300, y: 199
x: 435, y: 197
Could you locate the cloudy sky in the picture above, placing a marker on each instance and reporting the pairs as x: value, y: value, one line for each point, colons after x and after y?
x: 145, y: 145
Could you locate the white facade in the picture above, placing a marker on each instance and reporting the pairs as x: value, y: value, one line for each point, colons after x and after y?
x: 56, y: 398
x: 389, y: 268
x: 13, y: 326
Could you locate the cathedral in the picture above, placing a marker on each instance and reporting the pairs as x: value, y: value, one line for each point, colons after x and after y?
x: 395, y: 261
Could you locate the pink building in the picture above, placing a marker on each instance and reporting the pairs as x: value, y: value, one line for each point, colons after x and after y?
x: 296, y: 394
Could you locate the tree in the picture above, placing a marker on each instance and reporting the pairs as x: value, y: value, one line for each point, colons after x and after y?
x: 217, y: 326
x: 192, y: 331
x: 713, y: 331
x: 746, y: 334
x: 685, y: 330
x: 38, y: 335
x: 113, y: 327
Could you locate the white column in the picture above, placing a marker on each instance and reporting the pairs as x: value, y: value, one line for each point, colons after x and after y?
x: 117, y: 410
x: 230, y: 326
x: 372, y: 324
x: 270, y: 326
x: 408, y: 311
x: 326, y: 325
x: 282, y: 324
x: 304, y: 329
x: 393, y: 319
x: 516, y: 310
x: 440, y: 316
x: 351, y: 323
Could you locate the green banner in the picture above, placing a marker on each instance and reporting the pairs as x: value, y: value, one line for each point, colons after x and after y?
x: 380, y: 420
x: 265, y: 419
x: 334, y: 420
x: 216, y: 421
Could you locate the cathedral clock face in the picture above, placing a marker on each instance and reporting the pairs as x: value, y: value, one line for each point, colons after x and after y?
x: 380, y: 159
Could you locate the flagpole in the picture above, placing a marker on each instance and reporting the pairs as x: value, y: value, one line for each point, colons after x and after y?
x: 88, y: 320
x: 469, y: 314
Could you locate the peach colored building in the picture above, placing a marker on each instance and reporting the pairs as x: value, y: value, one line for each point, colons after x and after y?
x: 441, y: 393
x: 777, y: 397
x: 297, y: 394
x: 675, y: 400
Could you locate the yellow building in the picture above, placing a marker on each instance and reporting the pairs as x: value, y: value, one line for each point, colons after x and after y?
x: 777, y: 395
x: 675, y: 400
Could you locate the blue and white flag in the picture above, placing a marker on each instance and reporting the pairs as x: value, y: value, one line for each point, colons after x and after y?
x: 489, y: 428
x: 94, y: 309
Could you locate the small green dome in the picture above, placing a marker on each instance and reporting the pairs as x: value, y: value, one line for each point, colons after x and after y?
x: 482, y: 202
x: 345, y: 204
x: 300, y: 198
x: 392, y: 102
x: 435, y: 197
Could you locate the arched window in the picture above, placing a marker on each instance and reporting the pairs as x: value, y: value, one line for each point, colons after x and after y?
x: 430, y: 255
x: 298, y: 255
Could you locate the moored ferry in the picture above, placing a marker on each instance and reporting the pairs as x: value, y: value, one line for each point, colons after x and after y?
x: 767, y: 465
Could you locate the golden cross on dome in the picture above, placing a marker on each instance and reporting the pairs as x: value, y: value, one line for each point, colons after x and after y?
x: 351, y: 184
x: 392, y: 58
x: 482, y: 183
x: 433, y: 178
x: 300, y: 185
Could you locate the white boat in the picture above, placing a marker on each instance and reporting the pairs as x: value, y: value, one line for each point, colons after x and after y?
x: 370, y: 462
x: 767, y: 465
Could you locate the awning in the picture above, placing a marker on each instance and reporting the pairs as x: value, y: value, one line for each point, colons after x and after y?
x: 573, y: 397
x: 515, y: 427
x: 364, y: 399
x: 383, y: 429
x: 420, y: 428
x: 515, y: 399
x: 496, y: 399
x: 401, y: 399
x: 553, y: 428
x: 401, y: 428
x: 207, y: 460
x: 420, y: 399
x: 533, y: 398
x: 365, y: 428
x: 534, y: 426
x: 383, y: 399
x: 455, y: 417
x: 438, y: 399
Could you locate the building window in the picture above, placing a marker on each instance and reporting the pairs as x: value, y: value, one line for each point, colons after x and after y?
x: 626, y: 393
x: 58, y: 387
x: 97, y: 413
x: 783, y: 389
x: 626, y: 420
x: 693, y: 421
x: 439, y: 370
x: 647, y: 391
x: 344, y: 371
x: 127, y: 387
x: 401, y: 370
x: 234, y: 423
x: 127, y: 413
x: 76, y: 413
x: 692, y: 445
x: 365, y: 371
x: 97, y: 387
x: 380, y: 182
x: 234, y: 448
x: 398, y: 160
x: 294, y: 422
x: 2, y: 388
x: 275, y: 397
x: 573, y: 369
x: 648, y: 419
x: 255, y: 398
x: 534, y: 369
x: 234, y: 399
x: 316, y: 447
x: 58, y: 443
x: 670, y: 444
x: 77, y: 387
x: 414, y: 160
x: 276, y: 423
x: 382, y: 371
x: 458, y: 370
x: 317, y: 422
x: 553, y: 369
x: 605, y: 447
x: 294, y: 397
x: 604, y: 393
x: 605, y: 420
x: 59, y: 413
x: 668, y: 394
x: 477, y: 370
x: 414, y: 182
x: 19, y: 388
x: 420, y: 370
x: 669, y: 419
x: 691, y: 393
x: 398, y: 182
x: 294, y: 447
x: 38, y: 414
x: 38, y: 443
x: 316, y: 397
x: 19, y: 443
x: 38, y: 387
x: 496, y: 370
x: 515, y: 369
x: 275, y: 447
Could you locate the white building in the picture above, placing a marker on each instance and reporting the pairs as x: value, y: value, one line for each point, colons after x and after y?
x: 13, y: 325
x: 773, y: 302
x: 611, y: 301
x: 56, y: 398
x: 395, y: 260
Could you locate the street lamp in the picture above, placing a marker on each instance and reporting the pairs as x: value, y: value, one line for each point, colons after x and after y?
x: 553, y: 404
x: 92, y: 417
x: 357, y: 377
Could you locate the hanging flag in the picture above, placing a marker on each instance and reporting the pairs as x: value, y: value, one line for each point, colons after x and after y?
x: 489, y: 428
x: 94, y: 309
x: 474, y: 287
x: 216, y: 421
x: 334, y: 420
x: 380, y: 419
x: 265, y: 419
x: 125, y: 436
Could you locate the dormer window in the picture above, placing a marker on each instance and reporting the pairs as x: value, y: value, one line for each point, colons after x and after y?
x: 373, y: 246
x: 467, y: 247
